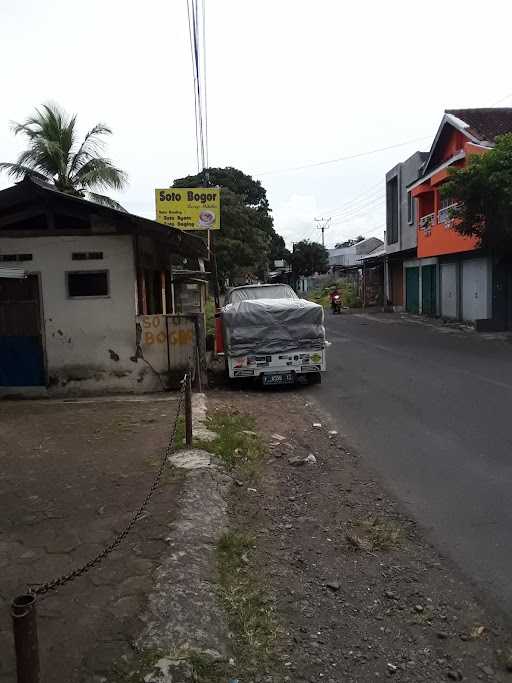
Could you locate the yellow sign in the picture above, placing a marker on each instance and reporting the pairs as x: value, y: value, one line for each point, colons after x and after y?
x: 196, y: 208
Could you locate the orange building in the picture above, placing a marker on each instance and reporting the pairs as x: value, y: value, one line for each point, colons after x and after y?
x: 451, y: 275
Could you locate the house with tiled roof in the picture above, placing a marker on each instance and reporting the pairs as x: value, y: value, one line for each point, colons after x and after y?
x: 450, y: 275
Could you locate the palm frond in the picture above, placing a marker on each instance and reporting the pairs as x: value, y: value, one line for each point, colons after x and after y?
x: 51, y: 155
x: 90, y: 147
x: 19, y: 171
x: 105, y: 201
x: 101, y: 173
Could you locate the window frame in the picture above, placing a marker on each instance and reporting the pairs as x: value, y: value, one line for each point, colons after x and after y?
x: 392, y: 188
x: 411, y: 208
x: 92, y: 271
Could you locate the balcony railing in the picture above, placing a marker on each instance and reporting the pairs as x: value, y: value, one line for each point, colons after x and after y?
x: 443, y: 216
x: 426, y: 222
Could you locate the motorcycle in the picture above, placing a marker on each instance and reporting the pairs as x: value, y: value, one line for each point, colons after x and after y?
x: 336, y: 304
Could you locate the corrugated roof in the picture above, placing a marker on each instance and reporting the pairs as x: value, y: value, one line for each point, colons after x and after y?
x: 30, y: 188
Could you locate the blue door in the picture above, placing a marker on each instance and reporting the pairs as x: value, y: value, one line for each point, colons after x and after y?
x: 21, y: 347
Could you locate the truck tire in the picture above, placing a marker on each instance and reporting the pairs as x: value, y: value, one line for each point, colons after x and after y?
x: 315, y: 378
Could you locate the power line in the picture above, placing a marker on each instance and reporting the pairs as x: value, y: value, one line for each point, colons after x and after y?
x: 196, y: 18
x: 356, y: 199
x: 204, y: 86
x: 378, y: 202
x: 346, y: 158
x: 356, y: 208
x: 502, y: 99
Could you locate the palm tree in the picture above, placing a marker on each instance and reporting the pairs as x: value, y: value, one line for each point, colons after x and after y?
x: 55, y: 155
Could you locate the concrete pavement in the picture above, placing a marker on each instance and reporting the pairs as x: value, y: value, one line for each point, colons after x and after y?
x: 430, y: 408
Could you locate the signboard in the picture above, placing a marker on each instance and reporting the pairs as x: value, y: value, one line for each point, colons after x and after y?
x: 196, y: 208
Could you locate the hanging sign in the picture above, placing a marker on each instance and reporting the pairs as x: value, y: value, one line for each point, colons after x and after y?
x: 196, y: 208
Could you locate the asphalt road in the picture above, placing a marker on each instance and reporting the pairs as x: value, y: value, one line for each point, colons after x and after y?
x: 430, y: 408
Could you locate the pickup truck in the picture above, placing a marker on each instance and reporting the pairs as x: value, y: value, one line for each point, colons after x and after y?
x: 273, y: 335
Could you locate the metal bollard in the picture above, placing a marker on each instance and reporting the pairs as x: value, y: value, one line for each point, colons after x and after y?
x: 188, y: 409
x: 24, y: 621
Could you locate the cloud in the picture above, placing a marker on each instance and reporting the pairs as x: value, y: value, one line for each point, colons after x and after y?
x: 294, y: 218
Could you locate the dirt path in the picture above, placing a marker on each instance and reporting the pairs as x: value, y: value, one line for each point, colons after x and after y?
x: 72, y: 474
x: 358, y: 593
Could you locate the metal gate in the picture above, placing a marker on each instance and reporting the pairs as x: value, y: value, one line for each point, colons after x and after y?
x: 474, y: 289
x: 449, y: 290
x: 21, y: 346
x: 428, y: 290
x: 412, y: 290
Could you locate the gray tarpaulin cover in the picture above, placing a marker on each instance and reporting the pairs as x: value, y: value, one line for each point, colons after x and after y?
x: 272, y: 325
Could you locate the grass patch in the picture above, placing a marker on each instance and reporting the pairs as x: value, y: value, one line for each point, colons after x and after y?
x: 195, y: 666
x: 250, y: 614
x: 238, y: 445
x: 376, y: 534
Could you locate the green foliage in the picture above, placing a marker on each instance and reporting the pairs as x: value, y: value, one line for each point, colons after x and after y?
x: 247, y: 243
x: 349, y: 242
x: 483, y: 192
x: 309, y: 258
x: 55, y: 155
x: 320, y: 296
x: 349, y: 295
x: 250, y: 613
x: 237, y: 444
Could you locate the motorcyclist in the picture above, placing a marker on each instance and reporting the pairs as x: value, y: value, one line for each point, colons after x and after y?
x: 335, y: 298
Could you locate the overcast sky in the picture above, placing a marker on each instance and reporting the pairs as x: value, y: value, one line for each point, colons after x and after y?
x: 290, y: 83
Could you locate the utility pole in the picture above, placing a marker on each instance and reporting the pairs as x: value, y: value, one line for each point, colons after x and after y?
x: 324, y: 225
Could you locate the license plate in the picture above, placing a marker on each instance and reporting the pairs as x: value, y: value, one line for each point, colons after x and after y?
x: 279, y: 378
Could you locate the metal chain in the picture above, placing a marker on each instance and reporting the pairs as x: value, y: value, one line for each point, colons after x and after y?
x: 43, y: 588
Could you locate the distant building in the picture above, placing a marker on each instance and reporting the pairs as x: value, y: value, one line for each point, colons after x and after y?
x: 349, y: 257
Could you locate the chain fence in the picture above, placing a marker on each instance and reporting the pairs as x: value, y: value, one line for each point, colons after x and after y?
x: 39, y: 590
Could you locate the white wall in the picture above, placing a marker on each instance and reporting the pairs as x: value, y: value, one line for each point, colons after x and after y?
x: 80, y: 334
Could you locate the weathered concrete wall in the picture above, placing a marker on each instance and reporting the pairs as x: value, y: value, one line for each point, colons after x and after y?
x: 167, y: 342
x: 88, y: 341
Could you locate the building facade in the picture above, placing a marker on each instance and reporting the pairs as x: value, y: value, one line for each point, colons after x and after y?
x: 451, y: 276
x: 401, y: 233
x: 81, y: 286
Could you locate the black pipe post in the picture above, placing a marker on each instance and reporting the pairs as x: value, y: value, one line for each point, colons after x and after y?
x: 188, y: 407
x: 24, y: 622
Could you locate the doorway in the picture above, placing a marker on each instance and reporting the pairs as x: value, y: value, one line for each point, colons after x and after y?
x: 428, y: 290
x: 21, y: 343
x: 412, y: 290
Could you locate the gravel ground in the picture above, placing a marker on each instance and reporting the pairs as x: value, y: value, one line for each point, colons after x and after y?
x: 360, y: 595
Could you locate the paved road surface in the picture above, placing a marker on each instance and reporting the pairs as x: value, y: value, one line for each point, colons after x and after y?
x: 431, y: 409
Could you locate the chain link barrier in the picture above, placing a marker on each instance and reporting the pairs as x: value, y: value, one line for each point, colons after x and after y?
x: 44, y: 588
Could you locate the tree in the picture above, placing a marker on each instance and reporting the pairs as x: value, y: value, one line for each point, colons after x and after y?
x: 309, y: 258
x: 349, y: 242
x: 56, y: 155
x: 247, y: 241
x: 482, y: 197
